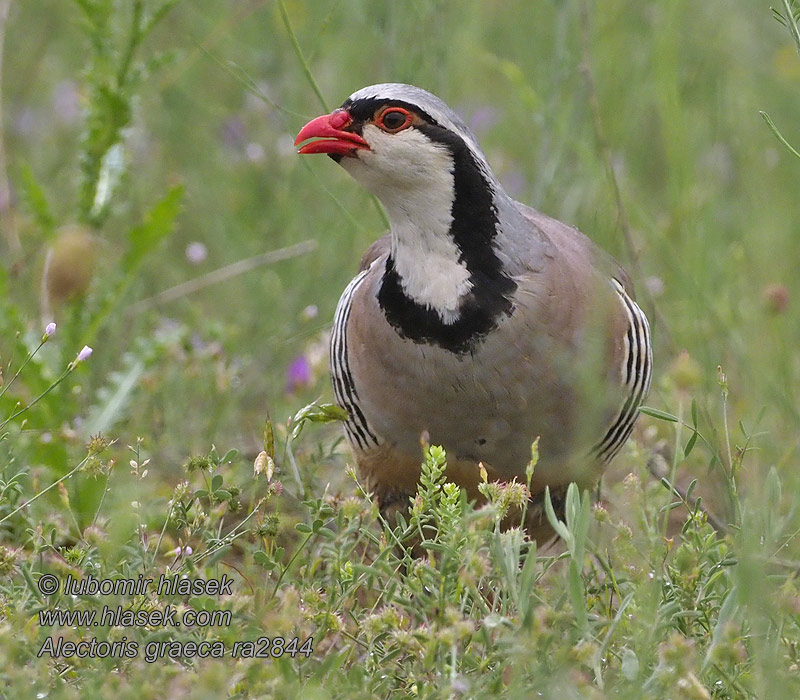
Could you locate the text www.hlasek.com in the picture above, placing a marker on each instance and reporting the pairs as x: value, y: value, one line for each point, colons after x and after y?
x: 127, y: 617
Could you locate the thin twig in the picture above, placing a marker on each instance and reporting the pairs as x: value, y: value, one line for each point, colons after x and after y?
x: 24, y: 364
x: 676, y: 453
x: 779, y: 135
x: 161, y: 535
x: 658, y: 470
x: 288, y: 566
x: 70, y: 367
x: 793, y: 28
x: 243, y: 78
x: 227, y: 540
x: 133, y: 42
x: 295, y: 470
x: 221, y: 274
x: 300, y: 57
x: 41, y: 493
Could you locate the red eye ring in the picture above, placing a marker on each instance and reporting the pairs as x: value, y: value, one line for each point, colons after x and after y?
x: 394, y: 124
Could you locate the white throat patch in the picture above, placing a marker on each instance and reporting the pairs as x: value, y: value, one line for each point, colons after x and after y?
x: 413, y: 178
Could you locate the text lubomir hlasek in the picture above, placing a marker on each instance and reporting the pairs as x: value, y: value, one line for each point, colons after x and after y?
x: 167, y: 585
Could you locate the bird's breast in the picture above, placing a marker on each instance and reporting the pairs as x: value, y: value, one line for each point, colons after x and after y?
x: 487, y: 404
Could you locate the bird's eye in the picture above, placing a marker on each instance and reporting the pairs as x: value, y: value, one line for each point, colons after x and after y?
x: 394, y: 120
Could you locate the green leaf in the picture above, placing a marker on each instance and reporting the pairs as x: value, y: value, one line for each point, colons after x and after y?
x: 581, y: 528
x: 205, y: 602
x: 555, y: 523
x: 577, y: 596
x: 670, y: 506
x: 527, y: 580
x: 109, y: 112
x: 158, y: 224
x: 661, y: 415
x: 333, y: 412
x: 262, y: 559
x: 216, y: 482
x: 572, y: 506
x: 727, y: 611
x: 690, y: 490
x: 630, y: 665
x: 690, y: 445
x: 229, y: 456
x: 317, y: 413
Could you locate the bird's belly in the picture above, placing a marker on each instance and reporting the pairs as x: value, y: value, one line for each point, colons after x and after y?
x: 487, y: 406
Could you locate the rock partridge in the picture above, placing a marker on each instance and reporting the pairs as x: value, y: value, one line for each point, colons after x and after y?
x: 476, y: 320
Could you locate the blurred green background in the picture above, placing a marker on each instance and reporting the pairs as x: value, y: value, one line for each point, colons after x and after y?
x: 710, y: 194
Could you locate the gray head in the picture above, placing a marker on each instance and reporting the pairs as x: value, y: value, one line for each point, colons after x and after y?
x: 395, y: 130
x: 424, y: 102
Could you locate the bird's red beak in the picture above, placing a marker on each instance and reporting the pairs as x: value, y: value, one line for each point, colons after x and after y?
x: 330, y: 127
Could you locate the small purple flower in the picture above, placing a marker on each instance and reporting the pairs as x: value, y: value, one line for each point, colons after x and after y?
x: 184, y: 551
x: 233, y: 132
x: 298, y: 374
x: 310, y: 312
x: 255, y: 152
x: 196, y: 252
x: 84, y: 354
x: 49, y: 329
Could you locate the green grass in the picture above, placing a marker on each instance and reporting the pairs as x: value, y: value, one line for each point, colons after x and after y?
x: 129, y: 134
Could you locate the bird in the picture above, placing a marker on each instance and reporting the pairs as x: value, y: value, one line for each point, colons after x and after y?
x: 476, y: 321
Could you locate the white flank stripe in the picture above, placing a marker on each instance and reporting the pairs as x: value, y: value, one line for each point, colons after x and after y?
x: 356, y: 427
x: 636, y: 373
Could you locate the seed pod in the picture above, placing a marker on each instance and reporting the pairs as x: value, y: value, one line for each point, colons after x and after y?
x: 69, y: 265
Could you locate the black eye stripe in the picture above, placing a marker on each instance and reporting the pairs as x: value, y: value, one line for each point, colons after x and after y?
x: 364, y: 110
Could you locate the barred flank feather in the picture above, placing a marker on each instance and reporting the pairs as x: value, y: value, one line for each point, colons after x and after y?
x: 356, y: 426
x: 637, y: 370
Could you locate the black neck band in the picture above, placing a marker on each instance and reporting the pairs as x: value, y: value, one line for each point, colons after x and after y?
x: 473, y: 229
